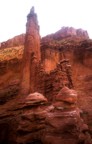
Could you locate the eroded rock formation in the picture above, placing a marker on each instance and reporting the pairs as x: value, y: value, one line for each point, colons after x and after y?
x: 66, y: 32
x: 64, y: 124
x: 31, y: 119
x: 23, y: 119
x: 53, y: 116
x: 31, y: 57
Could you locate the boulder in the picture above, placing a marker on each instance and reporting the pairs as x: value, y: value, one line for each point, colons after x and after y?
x: 67, y: 95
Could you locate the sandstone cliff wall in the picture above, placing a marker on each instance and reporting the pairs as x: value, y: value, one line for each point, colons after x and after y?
x: 30, y: 118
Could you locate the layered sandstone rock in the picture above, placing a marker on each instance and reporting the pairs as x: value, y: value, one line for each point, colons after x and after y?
x: 79, y: 52
x: 10, y: 72
x: 31, y: 119
x: 23, y: 119
x: 50, y: 83
x: 64, y: 124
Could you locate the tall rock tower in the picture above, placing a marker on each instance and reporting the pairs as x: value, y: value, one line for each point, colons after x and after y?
x: 31, y: 57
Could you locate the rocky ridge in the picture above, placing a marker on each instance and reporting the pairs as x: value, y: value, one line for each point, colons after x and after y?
x: 66, y: 32
x: 13, y: 42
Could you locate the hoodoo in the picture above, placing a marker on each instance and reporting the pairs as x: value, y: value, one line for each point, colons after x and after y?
x: 31, y: 55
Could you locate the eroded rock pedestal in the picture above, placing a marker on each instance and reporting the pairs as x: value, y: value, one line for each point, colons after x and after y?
x: 23, y: 120
x: 31, y: 119
x: 64, y: 124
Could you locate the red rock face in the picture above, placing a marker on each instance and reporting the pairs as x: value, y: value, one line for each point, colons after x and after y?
x: 79, y: 52
x: 16, y: 41
x: 31, y: 56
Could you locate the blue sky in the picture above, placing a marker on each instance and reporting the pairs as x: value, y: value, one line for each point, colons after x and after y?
x: 52, y: 15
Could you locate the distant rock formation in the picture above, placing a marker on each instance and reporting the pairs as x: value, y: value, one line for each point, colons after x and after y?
x: 65, y: 32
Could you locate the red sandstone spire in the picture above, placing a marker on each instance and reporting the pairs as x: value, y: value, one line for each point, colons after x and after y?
x: 31, y: 53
